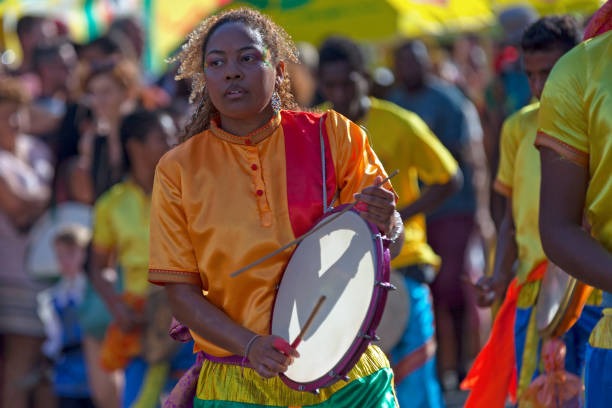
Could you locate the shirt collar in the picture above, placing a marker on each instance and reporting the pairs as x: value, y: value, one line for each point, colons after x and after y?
x: 253, y: 138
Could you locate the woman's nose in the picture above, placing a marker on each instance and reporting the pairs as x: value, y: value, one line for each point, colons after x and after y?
x: 233, y: 75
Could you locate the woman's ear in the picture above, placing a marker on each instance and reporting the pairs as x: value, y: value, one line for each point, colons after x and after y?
x: 280, y: 73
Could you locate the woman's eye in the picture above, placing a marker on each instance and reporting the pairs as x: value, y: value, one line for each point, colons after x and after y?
x: 248, y: 58
x: 215, y: 63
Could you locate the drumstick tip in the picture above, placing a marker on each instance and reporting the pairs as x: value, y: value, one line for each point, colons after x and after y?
x: 393, y: 174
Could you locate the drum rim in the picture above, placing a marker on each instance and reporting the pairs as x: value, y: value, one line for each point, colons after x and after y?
x: 550, y: 328
x: 369, y: 325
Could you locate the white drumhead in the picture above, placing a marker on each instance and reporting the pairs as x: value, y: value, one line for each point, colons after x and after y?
x: 338, y: 261
x: 395, y: 317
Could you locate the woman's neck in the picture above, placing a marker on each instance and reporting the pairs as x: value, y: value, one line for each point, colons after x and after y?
x: 244, y: 126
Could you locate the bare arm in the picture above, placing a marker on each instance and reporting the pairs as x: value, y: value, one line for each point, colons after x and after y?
x: 433, y: 196
x: 475, y: 156
x: 192, y: 309
x: 491, y: 288
x: 565, y: 242
x: 22, y: 210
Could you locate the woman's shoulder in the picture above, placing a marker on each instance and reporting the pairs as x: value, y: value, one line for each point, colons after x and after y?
x: 336, y: 125
x: 313, y: 114
x: 184, y: 153
x: 307, y: 115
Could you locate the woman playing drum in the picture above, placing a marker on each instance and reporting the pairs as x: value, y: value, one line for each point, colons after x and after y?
x: 247, y: 179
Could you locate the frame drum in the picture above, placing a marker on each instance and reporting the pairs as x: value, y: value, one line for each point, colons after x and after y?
x: 345, y: 261
x: 560, y: 302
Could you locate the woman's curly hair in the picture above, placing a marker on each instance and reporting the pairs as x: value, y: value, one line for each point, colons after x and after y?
x: 191, y: 59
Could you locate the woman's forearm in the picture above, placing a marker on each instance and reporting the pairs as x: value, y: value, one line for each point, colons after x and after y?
x: 192, y: 309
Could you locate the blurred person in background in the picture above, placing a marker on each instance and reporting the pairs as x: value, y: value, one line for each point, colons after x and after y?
x: 303, y: 74
x: 402, y: 141
x: 510, y: 83
x: 120, y: 242
x: 26, y: 173
x: 58, y: 309
x: 32, y: 31
x: 78, y: 117
x: 128, y: 33
x: 464, y: 218
x: 518, y: 179
x: 111, y: 92
x: 54, y: 63
x: 103, y: 49
x: 508, y: 90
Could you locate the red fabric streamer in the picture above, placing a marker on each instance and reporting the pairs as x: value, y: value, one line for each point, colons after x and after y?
x: 492, y: 378
x: 600, y: 22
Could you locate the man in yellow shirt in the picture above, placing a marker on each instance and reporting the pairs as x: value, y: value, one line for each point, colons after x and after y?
x: 121, y: 239
x: 518, y: 178
x: 574, y: 128
x: 402, y: 141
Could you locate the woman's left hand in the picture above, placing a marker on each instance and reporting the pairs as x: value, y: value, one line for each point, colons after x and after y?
x: 379, y: 206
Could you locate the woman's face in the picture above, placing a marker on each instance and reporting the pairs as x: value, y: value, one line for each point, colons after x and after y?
x: 107, y: 95
x: 239, y: 73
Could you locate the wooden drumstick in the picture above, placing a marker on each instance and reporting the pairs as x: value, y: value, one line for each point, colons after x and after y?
x: 300, y: 336
x: 306, y: 235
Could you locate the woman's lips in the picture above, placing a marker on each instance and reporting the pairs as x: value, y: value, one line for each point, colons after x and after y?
x: 235, y: 93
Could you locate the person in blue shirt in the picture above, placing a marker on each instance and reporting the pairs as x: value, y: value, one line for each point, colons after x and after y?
x: 462, y: 219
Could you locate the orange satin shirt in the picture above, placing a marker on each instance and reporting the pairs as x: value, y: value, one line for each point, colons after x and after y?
x: 221, y: 202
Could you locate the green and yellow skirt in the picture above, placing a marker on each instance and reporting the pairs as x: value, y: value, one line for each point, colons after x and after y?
x: 230, y: 386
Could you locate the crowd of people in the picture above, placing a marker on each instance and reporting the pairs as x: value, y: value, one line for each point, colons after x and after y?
x: 83, y: 129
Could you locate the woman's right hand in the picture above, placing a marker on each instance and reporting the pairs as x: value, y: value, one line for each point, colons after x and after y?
x: 267, y: 360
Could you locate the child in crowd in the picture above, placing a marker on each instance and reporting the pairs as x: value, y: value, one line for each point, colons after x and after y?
x: 58, y: 309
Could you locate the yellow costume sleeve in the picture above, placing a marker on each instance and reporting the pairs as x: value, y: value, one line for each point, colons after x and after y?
x: 434, y: 163
x: 103, y: 234
x: 355, y: 162
x: 171, y: 255
x: 562, y: 124
x: 508, y: 146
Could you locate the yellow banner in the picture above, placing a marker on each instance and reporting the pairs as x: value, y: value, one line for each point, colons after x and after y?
x: 544, y: 7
